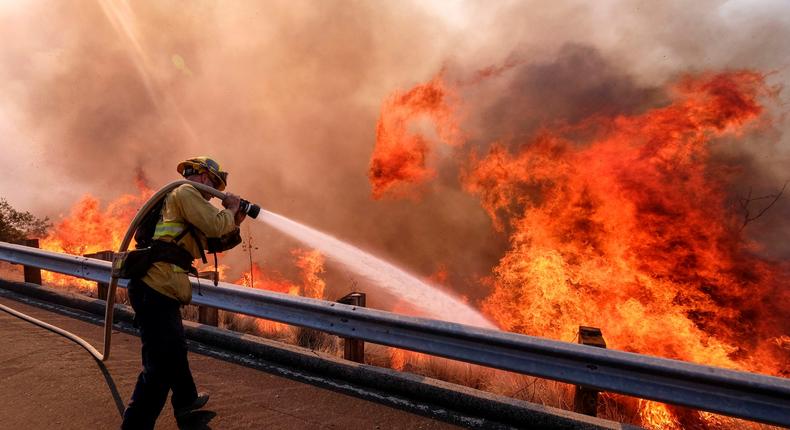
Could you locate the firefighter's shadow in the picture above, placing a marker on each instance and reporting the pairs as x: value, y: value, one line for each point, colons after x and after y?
x: 197, y: 420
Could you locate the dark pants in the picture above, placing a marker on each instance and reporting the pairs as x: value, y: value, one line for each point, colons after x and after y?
x: 165, y: 364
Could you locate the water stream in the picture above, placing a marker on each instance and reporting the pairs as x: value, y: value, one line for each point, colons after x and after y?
x: 428, y: 299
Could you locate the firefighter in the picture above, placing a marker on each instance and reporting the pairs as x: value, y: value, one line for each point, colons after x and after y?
x: 182, y: 231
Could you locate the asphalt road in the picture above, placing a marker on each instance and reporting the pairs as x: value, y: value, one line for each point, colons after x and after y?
x: 49, y: 382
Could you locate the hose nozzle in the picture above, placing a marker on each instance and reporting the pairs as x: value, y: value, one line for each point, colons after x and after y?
x: 251, y: 209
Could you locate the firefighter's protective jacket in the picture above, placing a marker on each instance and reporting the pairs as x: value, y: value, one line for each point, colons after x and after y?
x: 183, y: 207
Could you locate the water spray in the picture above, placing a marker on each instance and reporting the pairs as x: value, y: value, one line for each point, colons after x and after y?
x: 427, y: 299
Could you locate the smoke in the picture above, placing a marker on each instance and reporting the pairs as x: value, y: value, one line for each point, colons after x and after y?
x: 286, y: 96
x: 578, y: 84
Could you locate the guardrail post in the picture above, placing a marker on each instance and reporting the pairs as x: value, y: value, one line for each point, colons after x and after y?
x: 207, y: 314
x: 585, y: 400
x: 32, y: 274
x: 354, y: 349
x: 101, y: 287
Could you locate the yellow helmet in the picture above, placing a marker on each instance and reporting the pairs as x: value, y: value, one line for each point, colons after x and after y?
x: 198, y: 165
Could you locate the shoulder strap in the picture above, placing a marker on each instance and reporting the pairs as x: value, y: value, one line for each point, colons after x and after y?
x: 190, y: 230
x: 145, y: 231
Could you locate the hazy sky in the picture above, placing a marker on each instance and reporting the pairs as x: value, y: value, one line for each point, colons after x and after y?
x: 286, y: 95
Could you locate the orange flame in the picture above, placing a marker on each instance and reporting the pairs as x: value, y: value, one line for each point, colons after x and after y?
x: 398, y: 358
x: 627, y: 228
x: 311, y: 265
x: 90, y: 228
x: 401, y: 154
x: 260, y: 279
x: 631, y: 233
x: 657, y: 416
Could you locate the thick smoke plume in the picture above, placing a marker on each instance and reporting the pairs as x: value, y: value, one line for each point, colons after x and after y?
x: 287, y: 94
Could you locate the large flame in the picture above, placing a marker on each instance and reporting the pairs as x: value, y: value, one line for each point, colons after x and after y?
x: 622, y: 223
x: 402, y: 150
x: 631, y: 232
x: 90, y: 228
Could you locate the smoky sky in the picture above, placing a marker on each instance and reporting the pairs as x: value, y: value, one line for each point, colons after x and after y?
x: 578, y: 84
x: 286, y: 94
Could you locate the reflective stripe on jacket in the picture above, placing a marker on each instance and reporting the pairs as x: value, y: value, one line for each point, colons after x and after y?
x: 172, y: 229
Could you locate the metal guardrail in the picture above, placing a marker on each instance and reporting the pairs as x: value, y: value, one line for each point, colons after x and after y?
x: 740, y: 394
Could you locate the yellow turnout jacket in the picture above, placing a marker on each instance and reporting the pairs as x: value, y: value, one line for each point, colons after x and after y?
x: 184, y: 206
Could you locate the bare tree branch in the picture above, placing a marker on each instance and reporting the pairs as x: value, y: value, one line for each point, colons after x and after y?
x: 746, y: 202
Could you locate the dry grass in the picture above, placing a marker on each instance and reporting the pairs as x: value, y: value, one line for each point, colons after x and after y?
x: 312, y: 339
x: 531, y: 389
x: 430, y: 366
x: 318, y: 340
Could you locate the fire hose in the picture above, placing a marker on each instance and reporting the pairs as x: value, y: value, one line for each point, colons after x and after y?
x: 250, y: 209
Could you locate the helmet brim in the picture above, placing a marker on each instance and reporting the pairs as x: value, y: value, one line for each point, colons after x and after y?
x: 218, y: 178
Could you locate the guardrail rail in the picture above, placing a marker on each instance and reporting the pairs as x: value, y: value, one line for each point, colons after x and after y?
x: 740, y: 394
